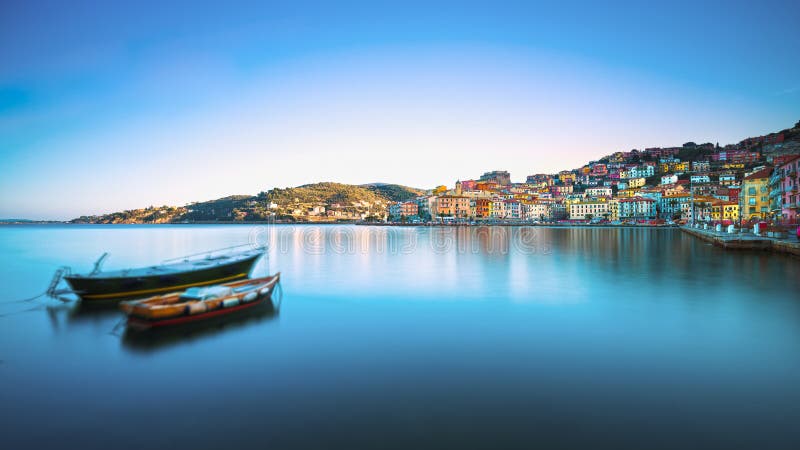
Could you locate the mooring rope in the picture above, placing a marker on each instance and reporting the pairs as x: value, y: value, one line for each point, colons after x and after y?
x: 22, y: 311
x: 24, y: 300
x: 115, y: 331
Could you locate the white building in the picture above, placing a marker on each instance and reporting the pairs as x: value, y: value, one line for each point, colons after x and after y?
x: 513, y: 210
x: 498, y: 209
x: 669, y: 179
x: 638, y: 172
x: 637, y: 208
x: 580, y: 210
x: 536, y: 211
x: 600, y: 191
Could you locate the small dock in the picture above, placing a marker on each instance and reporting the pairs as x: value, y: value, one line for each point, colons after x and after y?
x: 745, y: 241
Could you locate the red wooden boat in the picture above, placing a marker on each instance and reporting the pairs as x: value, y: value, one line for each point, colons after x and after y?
x: 199, y: 303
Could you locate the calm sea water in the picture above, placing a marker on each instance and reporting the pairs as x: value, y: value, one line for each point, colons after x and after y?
x: 413, y: 337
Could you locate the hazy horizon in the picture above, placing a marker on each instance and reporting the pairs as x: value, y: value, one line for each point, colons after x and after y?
x: 112, y: 107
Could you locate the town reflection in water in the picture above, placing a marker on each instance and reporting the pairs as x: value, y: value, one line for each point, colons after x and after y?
x: 405, y: 332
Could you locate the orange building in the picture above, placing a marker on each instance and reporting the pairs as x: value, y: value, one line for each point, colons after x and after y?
x: 483, y: 208
x: 453, y: 206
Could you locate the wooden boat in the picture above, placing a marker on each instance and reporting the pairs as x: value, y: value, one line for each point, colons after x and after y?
x: 199, y: 303
x: 139, y: 282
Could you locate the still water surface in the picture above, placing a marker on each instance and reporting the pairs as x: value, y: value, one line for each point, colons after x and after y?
x: 413, y: 337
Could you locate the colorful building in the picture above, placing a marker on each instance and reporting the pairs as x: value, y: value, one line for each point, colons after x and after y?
x: 483, y: 208
x: 724, y: 211
x: 457, y: 206
x: 754, y: 197
x: 588, y: 209
x: 636, y: 182
x: 637, y: 208
x: 788, y: 174
x: 676, y: 205
x: 601, y: 191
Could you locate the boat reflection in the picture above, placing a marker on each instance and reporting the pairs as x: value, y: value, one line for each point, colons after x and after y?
x: 145, y: 341
x: 73, y: 312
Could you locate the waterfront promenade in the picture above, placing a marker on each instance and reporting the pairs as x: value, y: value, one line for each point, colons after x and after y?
x: 746, y: 241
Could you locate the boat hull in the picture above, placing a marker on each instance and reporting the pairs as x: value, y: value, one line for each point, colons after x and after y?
x: 120, y: 288
x: 141, y: 323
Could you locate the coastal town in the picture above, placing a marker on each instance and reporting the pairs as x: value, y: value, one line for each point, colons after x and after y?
x: 751, y: 181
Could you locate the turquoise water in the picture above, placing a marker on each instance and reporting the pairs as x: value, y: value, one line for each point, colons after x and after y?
x: 413, y: 337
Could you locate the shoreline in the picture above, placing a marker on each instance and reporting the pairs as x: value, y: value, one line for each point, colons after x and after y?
x: 374, y: 224
x: 740, y: 241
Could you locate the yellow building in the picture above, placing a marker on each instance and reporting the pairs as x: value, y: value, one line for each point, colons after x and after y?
x: 672, y: 189
x: 680, y: 167
x: 754, y: 197
x: 565, y: 176
x: 613, y: 209
x: 676, y: 166
x: 626, y: 193
x: 636, y: 182
x: 722, y: 210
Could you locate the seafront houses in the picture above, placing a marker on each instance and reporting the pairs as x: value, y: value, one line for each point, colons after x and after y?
x: 637, y: 208
x: 426, y: 207
x: 513, y: 209
x: 404, y: 209
x: 483, y: 208
x: 588, y: 209
x: 726, y: 185
x: 456, y: 206
x: 724, y: 211
x: 558, y: 210
x: 537, y: 210
x: 613, y: 209
x: 676, y: 206
x: 498, y: 209
x: 788, y: 186
x: 701, y: 208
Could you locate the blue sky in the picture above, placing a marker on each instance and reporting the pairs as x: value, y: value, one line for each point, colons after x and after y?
x: 106, y: 107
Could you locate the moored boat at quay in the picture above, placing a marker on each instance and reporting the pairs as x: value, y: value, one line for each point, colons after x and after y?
x: 164, y: 278
x: 199, y: 303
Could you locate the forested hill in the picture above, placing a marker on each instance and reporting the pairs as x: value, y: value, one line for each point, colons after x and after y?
x: 311, y: 202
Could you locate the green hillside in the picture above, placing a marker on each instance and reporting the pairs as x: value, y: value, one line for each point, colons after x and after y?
x: 310, y: 202
x: 394, y: 192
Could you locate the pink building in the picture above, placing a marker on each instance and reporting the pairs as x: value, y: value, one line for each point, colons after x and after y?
x: 599, y: 170
x: 789, y: 173
x: 468, y: 185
